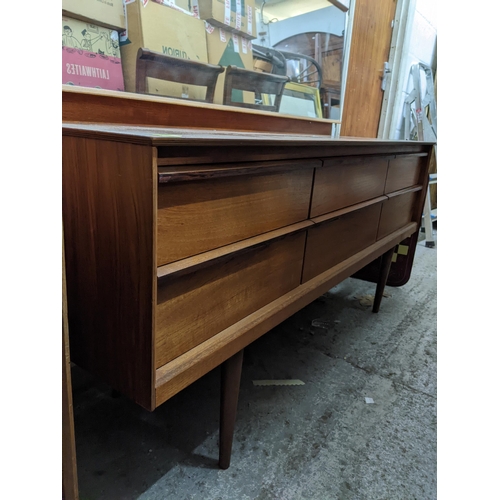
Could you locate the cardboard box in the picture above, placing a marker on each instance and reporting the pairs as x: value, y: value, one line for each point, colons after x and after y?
x: 168, y: 31
x: 180, y: 5
x: 232, y: 15
x: 100, y: 12
x: 262, y: 66
x: 90, y: 56
x: 226, y: 48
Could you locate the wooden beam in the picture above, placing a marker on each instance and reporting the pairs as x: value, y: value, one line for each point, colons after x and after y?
x: 341, y: 4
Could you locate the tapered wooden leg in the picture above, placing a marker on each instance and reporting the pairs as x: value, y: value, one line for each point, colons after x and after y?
x: 230, y: 388
x: 382, y: 278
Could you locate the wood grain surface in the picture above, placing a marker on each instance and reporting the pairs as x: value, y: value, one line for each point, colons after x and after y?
x: 69, y: 469
x: 108, y: 212
x: 370, y: 44
x: 346, y: 181
x: 405, y: 171
x: 397, y: 211
x: 182, y: 371
x: 194, y: 307
x: 106, y: 106
x: 333, y: 241
x: 197, y: 216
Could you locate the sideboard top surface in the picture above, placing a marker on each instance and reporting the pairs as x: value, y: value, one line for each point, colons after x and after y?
x: 168, y: 136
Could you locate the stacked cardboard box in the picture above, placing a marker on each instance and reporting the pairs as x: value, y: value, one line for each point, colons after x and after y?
x: 90, y: 55
x: 213, y: 31
x: 236, y: 16
x: 108, y: 13
x: 226, y: 48
x: 157, y: 27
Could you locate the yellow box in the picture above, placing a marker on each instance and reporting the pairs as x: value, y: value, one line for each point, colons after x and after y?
x: 106, y: 13
x: 226, y: 48
x: 181, y: 5
x: 232, y: 15
x: 168, y: 31
x: 262, y: 66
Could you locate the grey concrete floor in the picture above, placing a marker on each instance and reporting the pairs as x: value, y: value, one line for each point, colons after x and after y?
x: 320, y: 440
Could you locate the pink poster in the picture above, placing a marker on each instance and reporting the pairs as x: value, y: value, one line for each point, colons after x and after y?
x: 88, y: 69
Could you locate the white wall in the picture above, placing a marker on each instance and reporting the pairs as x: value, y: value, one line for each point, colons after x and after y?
x: 328, y: 20
x: 422, y: 48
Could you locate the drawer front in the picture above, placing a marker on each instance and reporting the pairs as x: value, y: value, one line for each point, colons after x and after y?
x: 346, y: 181
x: 397, y: 211
x: 404, y: 171
x: 196, y: 306
x: 197, y: 216
x: 333, y: 241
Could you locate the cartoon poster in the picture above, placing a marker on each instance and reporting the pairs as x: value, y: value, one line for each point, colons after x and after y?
x: 90, y: 56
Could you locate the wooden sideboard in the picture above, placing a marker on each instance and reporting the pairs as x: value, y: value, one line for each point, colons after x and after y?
x: 183, y: 246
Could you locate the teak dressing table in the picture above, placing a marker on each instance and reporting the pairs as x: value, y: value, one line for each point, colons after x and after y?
x: 185, y: 245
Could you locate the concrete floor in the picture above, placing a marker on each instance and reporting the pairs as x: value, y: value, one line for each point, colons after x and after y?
x: 320, y: 440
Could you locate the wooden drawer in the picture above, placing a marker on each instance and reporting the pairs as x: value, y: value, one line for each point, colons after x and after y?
x: 405, y: 171
x: 195, y: 306
x: 196, y: 216
x: 334, y: 240
x: 343, y: 182
x: 397, y: 211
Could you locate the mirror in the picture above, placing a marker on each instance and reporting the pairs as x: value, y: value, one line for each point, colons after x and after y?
x: 294, y: 51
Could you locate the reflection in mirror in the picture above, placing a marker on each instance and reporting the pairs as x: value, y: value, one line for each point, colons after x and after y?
x: 304, y: 39
x: 126, y: 47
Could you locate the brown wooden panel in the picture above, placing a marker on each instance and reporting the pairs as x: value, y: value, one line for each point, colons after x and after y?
x: 346, y: 181
x: 370, y: 45
x: 397, y: 211
x: 194, y: 217
x: 106, y: 106
x: 259, y: 151
x: 194, y: 307
x: 183, y: 173
x: 404, y: 171
x: 207, y: 259
x: 69, y: 471
x: 179, y: 373
x: 108, y: 206
x: 329, y: 243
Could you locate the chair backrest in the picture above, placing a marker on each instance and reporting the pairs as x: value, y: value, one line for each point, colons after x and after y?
x: 155, y: 65
x: 254, y: 81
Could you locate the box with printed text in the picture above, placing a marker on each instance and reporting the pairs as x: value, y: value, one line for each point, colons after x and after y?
x: 106, y: 13
x: 168, y: 31
x: 232, y: 15
x: 90, y: 56
x: 226, y: 48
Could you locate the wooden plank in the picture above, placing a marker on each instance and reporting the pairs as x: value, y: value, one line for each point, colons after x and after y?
x: 343, y: 5
x: 182, y: 371
x: 199, y: 216
x: 69, y: 470
x: 108, y: 212
x: 343, y: 211
x: 397, y: 211
x: 199, y: 172
x: 370, y: 44
x: 330, y: 243
x: 404, y: 171
x: 192, y: 155
x: 106, y: 106
x: 344, y: 182
x: 197, y: 306
x: 197, y: 262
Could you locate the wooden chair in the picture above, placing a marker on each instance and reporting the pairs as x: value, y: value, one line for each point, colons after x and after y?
x: 254, y: 81
x: 155, y: 65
